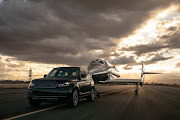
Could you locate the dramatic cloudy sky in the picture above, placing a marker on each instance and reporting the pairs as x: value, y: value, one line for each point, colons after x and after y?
x: 42, y: 34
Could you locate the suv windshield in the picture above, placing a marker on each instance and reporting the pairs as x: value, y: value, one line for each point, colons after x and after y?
x: 65, y: 72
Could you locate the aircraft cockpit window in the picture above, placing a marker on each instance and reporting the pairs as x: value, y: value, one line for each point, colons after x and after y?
x: 101, y: 62
x: 93, y: 62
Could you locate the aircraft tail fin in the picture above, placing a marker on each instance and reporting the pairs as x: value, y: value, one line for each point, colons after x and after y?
x: 143, y: 74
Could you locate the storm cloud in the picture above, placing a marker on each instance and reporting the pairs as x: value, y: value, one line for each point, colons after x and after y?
x: 68, y: 32
x: 169, y: 41
x: 123, y: 60
x: 156, y: 58
x: 131, y: 60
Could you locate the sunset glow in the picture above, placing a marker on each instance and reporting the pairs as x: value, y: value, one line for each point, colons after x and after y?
x: 54, y: 40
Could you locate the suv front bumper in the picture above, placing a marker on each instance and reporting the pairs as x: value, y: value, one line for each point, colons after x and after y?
x: 49, y: 94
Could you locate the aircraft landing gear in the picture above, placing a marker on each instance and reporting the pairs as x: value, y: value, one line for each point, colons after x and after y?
x: 136, y: 90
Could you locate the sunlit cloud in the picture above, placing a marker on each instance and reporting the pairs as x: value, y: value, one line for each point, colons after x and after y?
x: 150, y: 30
x: 155, y: 27
x: 19, y: 70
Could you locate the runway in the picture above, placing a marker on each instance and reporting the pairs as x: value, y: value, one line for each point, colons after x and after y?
x: 117, y: 102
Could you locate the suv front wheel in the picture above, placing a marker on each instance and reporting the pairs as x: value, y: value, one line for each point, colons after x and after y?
x: 91, y: 96
x: 74, y: 99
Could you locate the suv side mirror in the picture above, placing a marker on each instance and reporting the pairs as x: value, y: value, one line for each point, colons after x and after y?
x: 45, y: 76
x: 83, y: 76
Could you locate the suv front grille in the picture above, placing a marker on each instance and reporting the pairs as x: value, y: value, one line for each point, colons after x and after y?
x: 45, y: 85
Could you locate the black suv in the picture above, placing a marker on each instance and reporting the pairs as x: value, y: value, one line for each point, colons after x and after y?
x: 63, y: 83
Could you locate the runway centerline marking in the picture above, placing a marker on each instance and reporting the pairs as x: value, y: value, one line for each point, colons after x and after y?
x: 37, y: 111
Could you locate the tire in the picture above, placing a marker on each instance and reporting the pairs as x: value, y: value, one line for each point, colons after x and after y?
x: 34, y: 103
x: 136, y: 92
x: 74, y: 98
x: 91, y: 97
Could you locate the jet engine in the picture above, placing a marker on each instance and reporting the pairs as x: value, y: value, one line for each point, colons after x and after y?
x: 100, y: 77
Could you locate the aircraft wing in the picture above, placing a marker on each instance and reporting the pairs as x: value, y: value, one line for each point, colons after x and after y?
x: 120, y: 80
x: 97, y: 73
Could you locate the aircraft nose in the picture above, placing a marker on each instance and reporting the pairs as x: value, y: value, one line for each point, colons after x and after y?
x: 95, y: 68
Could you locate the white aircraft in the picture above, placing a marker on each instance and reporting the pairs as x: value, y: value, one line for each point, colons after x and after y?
x: 103, y: 71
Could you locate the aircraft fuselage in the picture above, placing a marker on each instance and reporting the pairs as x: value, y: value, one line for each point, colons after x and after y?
x: 102, y: 70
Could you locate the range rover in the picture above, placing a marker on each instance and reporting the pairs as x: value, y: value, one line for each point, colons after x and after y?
x: 62, y: 83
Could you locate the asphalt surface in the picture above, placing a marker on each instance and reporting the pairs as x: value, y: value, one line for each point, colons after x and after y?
x: 117, y: 102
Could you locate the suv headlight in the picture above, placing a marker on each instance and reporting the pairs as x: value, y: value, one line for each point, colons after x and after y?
x: 31, y: 84
x: 64, y: 84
